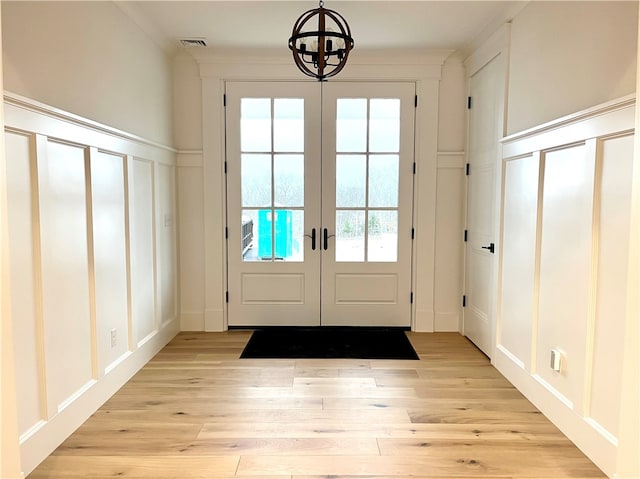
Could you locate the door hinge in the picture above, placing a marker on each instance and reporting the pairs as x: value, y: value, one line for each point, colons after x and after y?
x: 411, y: 297
x: 465, y: 235
x: 464, y: 300
x: 468, y: 103
x: 226, y: 296
x: 225, y: 167
x: 466, y: 169
x: 414, y: 167
x: 413, y: 233
x: 416, y: 102
x: 226, y: 232
x: 224, y: 99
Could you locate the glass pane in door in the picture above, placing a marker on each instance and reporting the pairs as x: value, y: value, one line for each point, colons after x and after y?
x: 288, y: 178
x: 351, y: 181
x: 383, y: 180
x: 351, y: 125
x: 367, y: 179
x: 256, y: 180
x: 384, y: 125
x: 288, y: 124
x: 255, y: 124
x: 272, y: 179
x: 383, y: 236
x: 350, y: 235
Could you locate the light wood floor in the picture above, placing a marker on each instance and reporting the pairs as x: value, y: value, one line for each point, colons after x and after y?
x: 197, y: 411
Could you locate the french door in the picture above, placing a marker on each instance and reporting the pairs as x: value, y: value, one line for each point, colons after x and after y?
x: 319, y: 203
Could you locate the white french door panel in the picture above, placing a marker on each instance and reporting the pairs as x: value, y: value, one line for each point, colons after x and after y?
x: 367, y: 177
x: 273, y: 192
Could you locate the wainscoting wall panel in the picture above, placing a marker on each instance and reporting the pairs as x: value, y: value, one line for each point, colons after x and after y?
x: 93, y: 263
x: 143, y: 245
x: 167, y: 254
x: 565, y: 235
x: 519, y: 241
x: 615, y: 166
x: 191, y: 233
x: 25, y: 280
x: 110, y: 256
x: 565, y: 251
x: 450, y: 200
x: 68, y: 339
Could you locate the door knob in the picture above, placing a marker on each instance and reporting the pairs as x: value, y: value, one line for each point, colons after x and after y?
x: 491, y: 248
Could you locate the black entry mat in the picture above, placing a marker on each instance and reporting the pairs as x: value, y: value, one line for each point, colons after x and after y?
x: 323, y: 342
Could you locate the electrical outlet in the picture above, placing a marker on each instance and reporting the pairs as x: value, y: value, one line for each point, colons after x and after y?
x: 114, y: 337
x: 556, y: 360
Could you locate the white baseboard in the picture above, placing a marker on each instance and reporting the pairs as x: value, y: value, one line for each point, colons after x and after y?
x: 192, y: 322
x: 214, y: 320
x: 447, y: 322
x: 589, y: 439
x: 52, y: 433
x: 423, y: 322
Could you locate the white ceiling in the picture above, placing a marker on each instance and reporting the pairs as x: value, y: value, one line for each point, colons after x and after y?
x: 242, y: 24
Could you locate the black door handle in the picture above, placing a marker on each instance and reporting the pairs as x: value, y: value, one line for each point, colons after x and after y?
x: 491, y: 248
x: 313, y: 238
x: 326, y: 238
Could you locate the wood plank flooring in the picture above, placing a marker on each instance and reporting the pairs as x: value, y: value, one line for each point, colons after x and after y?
x: 197, y: 411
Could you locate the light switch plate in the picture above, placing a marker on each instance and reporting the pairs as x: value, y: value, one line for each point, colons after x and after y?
x: 556, y: 360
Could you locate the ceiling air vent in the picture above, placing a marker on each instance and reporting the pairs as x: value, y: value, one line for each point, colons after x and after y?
x: 193, y: 42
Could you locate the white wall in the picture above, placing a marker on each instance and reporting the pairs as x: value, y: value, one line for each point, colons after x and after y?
x: 187, y: 102
x: 92, y: 256
x: 187, y: 109
x: 90, y: 59
x: 565, y: 207
x: 567, y: 212
x: 450, y: 197
x: 9, y: 447
x: 628, y: 465
x: 92, y: 209
x: 568, y: 56
x: 442, y: 267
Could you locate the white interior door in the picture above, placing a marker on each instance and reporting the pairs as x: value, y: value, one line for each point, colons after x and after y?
x: 319, y: 203
x: 485, y: 130
x: 367, y: 176
x: 273, y: 198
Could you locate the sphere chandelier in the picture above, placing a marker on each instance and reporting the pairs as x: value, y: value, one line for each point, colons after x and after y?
x: 320, y: 49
